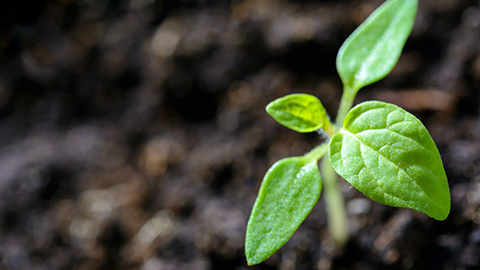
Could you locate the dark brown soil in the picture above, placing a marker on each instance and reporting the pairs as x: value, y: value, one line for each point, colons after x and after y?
x: 133, y: 133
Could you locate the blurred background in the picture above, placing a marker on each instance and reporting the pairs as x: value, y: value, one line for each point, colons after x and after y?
x: 133, y: 133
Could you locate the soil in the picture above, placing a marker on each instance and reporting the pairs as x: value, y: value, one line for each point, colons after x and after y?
x: 133, y: 133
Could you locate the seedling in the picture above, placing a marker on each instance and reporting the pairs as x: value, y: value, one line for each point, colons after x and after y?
x: 382, y: 150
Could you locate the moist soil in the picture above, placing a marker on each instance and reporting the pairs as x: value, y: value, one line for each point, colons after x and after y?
x: 133, y: 133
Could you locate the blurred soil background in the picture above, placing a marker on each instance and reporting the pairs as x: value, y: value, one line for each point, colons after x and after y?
x: 133, y: 133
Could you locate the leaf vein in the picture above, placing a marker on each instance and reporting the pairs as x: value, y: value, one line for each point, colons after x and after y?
x: 347, y: 133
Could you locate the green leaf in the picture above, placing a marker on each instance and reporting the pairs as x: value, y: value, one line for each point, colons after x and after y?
x: 387, y: 154
x: 288, y: 193
x: 373, y: 49
x: 300, y: 112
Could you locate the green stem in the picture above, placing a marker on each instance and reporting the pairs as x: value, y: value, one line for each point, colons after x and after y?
x: 317, y: 153
x: 337, y: 217
x: 345, y: 104
x: 329, y: 128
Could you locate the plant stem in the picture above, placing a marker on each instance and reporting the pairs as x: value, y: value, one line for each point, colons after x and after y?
x: 317, y: 153
x: 335, y: 205
x: 329, y: 129
x: 334, y: 202
x: 348, y: 97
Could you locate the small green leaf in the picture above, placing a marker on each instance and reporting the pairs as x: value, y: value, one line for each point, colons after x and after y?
x: 387, y: 154
x: 288, y: 193
x: 373, y: 49
x: 300, y: 112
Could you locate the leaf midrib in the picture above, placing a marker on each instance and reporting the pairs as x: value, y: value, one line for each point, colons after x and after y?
x: 348, y: 133
x: 387, y: 128
x: 381, y: 38
x: 297, y: 116
x: 267, y: 235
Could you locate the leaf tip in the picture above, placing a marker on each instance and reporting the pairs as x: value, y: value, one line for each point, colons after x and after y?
x: 443, y: 214
x: 251, y: 262
x: 441, y: 219
x: 269, y: 108
x: 252, y: 257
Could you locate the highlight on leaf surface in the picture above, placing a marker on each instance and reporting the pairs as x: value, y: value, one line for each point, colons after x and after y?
x: 388, y: 154
x: 300, y: 112
x: 374, y: 48
x: 289, y: 190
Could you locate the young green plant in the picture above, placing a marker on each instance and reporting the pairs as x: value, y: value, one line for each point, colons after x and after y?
x: 382, y: 150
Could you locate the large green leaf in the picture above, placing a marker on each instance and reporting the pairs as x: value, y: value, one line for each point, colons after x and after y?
x: 300, y: 112
x: 288, y: 193
x: 387, y: 154
x: 373, y: 49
